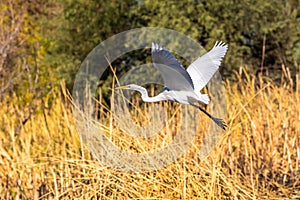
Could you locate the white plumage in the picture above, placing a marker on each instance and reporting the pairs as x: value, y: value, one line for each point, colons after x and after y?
x: 184, y: 85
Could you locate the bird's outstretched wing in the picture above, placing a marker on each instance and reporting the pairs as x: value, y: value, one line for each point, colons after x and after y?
x: 203, y: 69
x: 172, y: 71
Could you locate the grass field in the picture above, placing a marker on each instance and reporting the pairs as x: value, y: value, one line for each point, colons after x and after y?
x: 258, y: 156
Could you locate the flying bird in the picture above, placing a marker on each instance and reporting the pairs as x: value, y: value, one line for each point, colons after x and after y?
x: 184, y: 85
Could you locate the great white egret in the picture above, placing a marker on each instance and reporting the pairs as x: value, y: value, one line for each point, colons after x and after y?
x: 184, y: 85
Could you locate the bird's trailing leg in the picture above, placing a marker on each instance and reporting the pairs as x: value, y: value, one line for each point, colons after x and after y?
x: 220, y: 122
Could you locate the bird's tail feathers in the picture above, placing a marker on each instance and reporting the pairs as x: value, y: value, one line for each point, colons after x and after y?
x: 204, y: 98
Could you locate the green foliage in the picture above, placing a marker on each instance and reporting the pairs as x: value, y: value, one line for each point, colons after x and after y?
x: 80, y: 26
x: 246, y: 25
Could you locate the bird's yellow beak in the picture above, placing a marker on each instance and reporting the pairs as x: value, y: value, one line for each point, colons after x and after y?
x: 121, y: 87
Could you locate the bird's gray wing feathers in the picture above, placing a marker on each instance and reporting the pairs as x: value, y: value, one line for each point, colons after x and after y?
x: 203, y: 69
x: 173, y: 73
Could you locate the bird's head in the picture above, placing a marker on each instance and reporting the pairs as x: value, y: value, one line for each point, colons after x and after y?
x: 128, y: 87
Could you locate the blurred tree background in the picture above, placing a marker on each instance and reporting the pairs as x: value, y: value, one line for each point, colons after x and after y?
x: 44, y: 41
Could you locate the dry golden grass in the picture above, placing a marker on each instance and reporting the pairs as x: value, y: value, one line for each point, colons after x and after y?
x: 258, y: 156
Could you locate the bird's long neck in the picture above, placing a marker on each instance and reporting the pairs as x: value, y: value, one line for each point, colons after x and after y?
x: 146, y: 98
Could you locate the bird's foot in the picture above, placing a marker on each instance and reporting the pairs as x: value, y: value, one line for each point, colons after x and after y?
x: 220, y: 122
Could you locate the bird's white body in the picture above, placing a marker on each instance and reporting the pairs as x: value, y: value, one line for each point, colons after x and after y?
x: 184, y: 85
x: 183, y: 97
x: 187, y: 97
